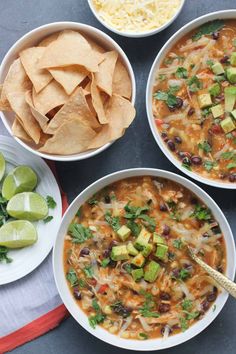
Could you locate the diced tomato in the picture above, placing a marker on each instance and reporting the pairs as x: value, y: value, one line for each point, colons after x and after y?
x: 103, y: 289
x: 216, y: 129
x: 92, y: 282
x: 159, y: 122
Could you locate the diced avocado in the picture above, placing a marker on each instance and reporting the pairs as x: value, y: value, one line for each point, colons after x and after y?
x: 131, y: 249
x: 214, y: 90
x: 231, y: 75
x: 147, y: 250
x: 217, y: 111
x: 234, y: 113
x: 233, y: 59
x: 119, y: 253
x: 138, y: 260
x: 123, y: 232
x: 151, y: 271
x: 137, y: 274
x: 142, y: 239
x: 158, y: 239
x: 217, y: 68
x: 204, y: 100
x: 161, y: 251
x: 227, y: 125
x: 230, y: 98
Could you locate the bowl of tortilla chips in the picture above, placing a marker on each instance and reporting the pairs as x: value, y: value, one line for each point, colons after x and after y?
x: 67, y: 91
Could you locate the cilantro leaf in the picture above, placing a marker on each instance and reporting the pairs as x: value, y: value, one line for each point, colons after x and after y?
x: 208, y: 165
x: 184, y: 274
x: 134, y: 227
x: 231, y: 165
x: 105, y: 262
x: 51, y: 202
x: 143, y: 336
x: 92, y: 201
x: 99, y: 317
x: 48, y: 219
x: 88, y: 271
x: 191, y: 315
x: 79, y: 233
x: 201, y: 213
x: 194, y: 84
x: 3, y: 211
x: 177, y: 243
x: 187, y: 304
x: 208, y: 28
x: 133, y: 212
x: 147, y: 309
x: 205, y: 146
x: 71, y: 276
x: 4, y: 255
x: 161, y: 77
x: 150, y: 222
x: 181, y: 73
x: 183, y: 324
x: 113, y: 221
x: 228, y: 155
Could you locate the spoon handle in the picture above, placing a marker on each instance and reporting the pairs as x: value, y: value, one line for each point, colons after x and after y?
x: 221, y: 279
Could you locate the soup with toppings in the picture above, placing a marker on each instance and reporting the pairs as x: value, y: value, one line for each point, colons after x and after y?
x: 194, y: 100
x: 126, y: 260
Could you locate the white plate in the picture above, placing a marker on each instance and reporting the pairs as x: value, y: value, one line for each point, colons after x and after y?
x: 25, y: 260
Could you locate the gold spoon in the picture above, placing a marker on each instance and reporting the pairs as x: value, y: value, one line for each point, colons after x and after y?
x: 221, y: 279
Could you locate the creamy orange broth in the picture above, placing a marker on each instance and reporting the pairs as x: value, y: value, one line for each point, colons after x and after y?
x: 106, y: 290
x: 192, y: 133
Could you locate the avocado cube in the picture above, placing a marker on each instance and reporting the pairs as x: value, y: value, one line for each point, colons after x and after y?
x: 217, y: 111
x: 151, y: 271
x: 214, y: 90
x: 233, y: 59
x: 147, y: 250
x: 142, y: 239
x: 158, y: 239
x: 138, y: 260
x: 231, y: 75
x: 230, y: 98
x: 161, y: 251
x: 137, y: 274
x: 119, y: 253
x: 234, y: 113
x: 217, y: 68
x: 227, y: 125
x: 204, y: 100
x: 123, y: 232
x: 131, y: 249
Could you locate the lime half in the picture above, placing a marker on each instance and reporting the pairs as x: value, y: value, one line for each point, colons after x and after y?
x: 28, y: 206
x: 2, y: 166
x: 17, y: 234
x: 21, y: 179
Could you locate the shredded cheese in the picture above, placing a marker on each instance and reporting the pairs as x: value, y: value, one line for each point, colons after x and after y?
x: 136, y: 15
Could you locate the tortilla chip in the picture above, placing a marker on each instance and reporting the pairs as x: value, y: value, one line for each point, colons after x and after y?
x: 121, y: 81
x: 97, y: 102
x: 71, y: 48
x: 75, y: 107
x: 48, y: 40
x: 72, y: 137
x: 19, y: 131
x: 106, y: 70
x: 4, y: 104
x: 29, y: 59
x: 69, y: 77
x: 96, y: 47
x: 41, y: 119
x: 50, y: 97
x: 120, y: 113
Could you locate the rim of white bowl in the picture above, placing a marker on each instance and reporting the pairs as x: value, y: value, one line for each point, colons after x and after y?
x: 42, y: 32
x: 224, y: 14
x: 135, y: 34
x: 81, y: 317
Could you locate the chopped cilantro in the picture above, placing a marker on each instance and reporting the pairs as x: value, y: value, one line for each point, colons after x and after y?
x: 150, y: 223
x: 3, y: 211
x: 186, y: 164
x: 161, y: 77
x: 181, y: 73
x: 210, y: 63
x: 231, y: 165
x: 4, y: 255
x: 184, y: 274
x: 191, y: 315
x: 147, y: 309
x: 168, y: 96
x: 134, y: 227
x: 205, y: 112
x: 205, y: 146
x: 79, y: 212
x: 88, y: 271
x: 143, y: 336
x: 187, y: 304
x: 183, y: 324
x: 48, y: 219
x: 133, y: 212
x: 105, y: 262
x: 194, y: 84
x: 113, y: 221
x: 208, y: 28
x: 178, y: 244
x: 79, y: 233
x: 93, y: 201
x: 208, y: 165
x: 201, y: 213
x: 99, y: 317
x: 71, y: 276
x: 51, y: 202
x: 228, y: 155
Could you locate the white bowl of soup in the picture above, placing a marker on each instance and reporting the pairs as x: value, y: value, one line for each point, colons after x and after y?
x: 136, y: 19
x: 121, y: 265
x: 55, y: 90
x: 191, y: 99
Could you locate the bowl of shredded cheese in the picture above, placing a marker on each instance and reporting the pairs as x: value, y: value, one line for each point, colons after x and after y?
x: 139, y: 18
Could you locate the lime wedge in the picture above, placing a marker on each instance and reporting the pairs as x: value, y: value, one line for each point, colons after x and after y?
x: 27, y: 206
x: 21, y: 179
x: 2, y: 166
x: 17, y: 234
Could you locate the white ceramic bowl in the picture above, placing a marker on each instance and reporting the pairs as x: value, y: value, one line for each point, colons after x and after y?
x: 33, y: 38
x: 134, y: 34
x: 226, y: 14
x: 80, y: 316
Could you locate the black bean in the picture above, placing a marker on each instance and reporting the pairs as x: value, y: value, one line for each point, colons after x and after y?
x: 107, y: 199
x: 179, y: 102
x: 205, y: 305
x: 178, y: 140
x: 225, y: 59
x: 223, y: 175
x: 77, y: 294
x: 106, y: 253
x: 163, y: 308
x: 171, y: 145
x: 112, y: 263
x: 215, y: 290
x: 188, y: 266
x: 164, y: 136
x: 194, y: 200
x: 211, y: 297
x: 215, y: 35
x: 163, y: 207
x: 84, y: 252
x: 171, y: 109
x: 196, y: 160
x: 191, y: 111
x: 166, y: 230
x: 232, y: 177
x: 165, y: 296
x: 175, y: 272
